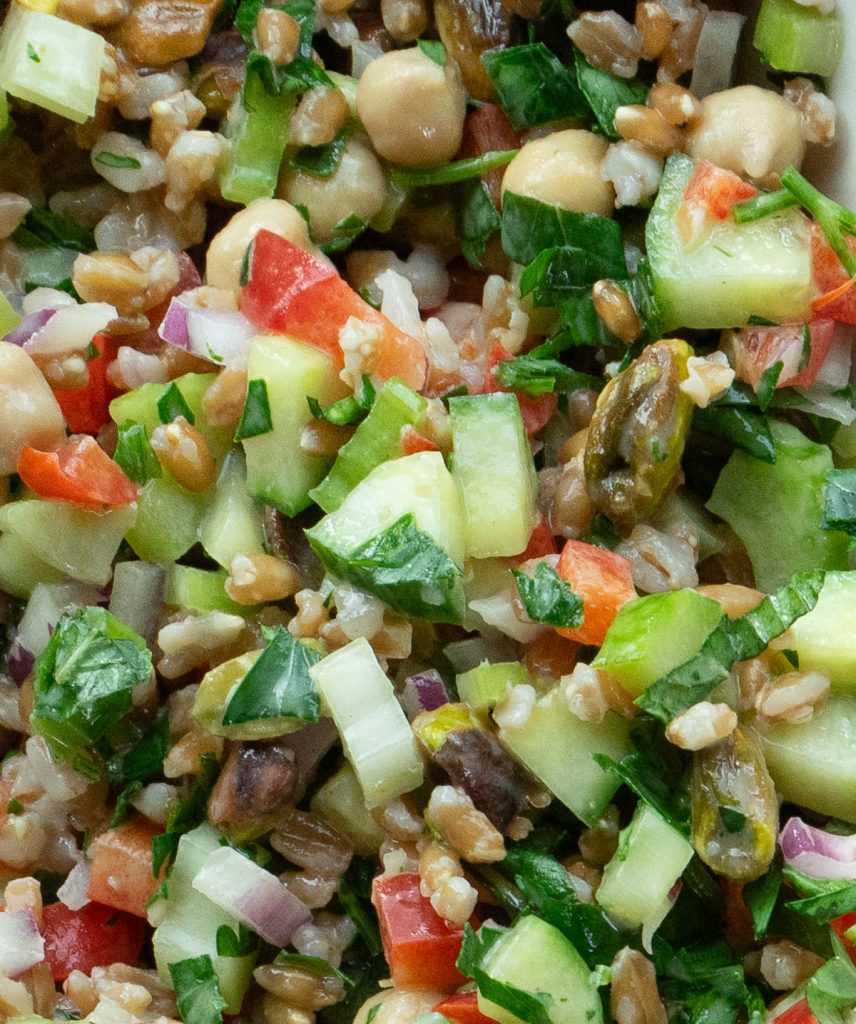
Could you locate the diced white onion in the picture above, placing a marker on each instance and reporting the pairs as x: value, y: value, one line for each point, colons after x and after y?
x: 21, y: 945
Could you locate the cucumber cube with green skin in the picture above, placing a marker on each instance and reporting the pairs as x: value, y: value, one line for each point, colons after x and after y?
x: 492, y: 464
x: 825, y: 638
x: 650, y: 858
x: 201, y: 590
x: 21, y: 569
x: 813, y: 764
x: 168, y: 520
x: 776, y: 508
x: 652, y: 635
x: 376, y: 440
x: 340, y: 801
x: 78, y: 542
x: 802, y: 40
x: 535, y: 957
x: 279, y: 471
x: 9, y: 319
x: 762, y: 268
x: 485, y: 685
x: 559, y: 748
x: 186, y: 922
x: 232, y: 523
x: 51, y: 62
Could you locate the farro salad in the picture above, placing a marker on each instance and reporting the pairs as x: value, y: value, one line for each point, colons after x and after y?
x: 427, y: 492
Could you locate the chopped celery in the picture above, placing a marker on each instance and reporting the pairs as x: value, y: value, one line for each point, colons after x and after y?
x: 798, y: 38
x: 51, y: 62
x: 485, y: 685
x: 258, y: 129
x: 21, y: 569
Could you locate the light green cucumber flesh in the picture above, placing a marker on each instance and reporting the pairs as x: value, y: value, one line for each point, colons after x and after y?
x: 168, y: 520
x: 340, y: 801
x: 486, y: 684
x: 802, y: 40
x: 232, y: 524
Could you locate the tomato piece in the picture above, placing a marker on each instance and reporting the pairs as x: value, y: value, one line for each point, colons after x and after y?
x: 80, y: 472
x: 756, y: 349
x: 604, y: 582
x: 121, y: 872
x: 535, y: 411
x: 463, y: 1007
x: 94, y: 936
x: 420, y: 947
x: 829, y: 275
x: 799, y: 1013
x: 86, y: 409
x: 413, y: 441
x: 717, y: 189
x: 290, y: 290
x: 840, y: 925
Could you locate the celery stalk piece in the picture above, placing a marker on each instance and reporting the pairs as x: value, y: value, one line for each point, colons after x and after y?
x: 50, y: 62
x: 791, y: 37
x: 258, y: 129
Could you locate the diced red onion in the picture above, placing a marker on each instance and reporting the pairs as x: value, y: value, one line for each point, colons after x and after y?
x: 31, y: 324
x: 256, y: 897
x: 21, y: 945
x: 716, y: 51
x: 423, y: 692
x: 71, y: 328
x: 19, y: 661
x: 221, y: 335
x: 73, y: 891
x: 173, y: 328
x: 137, y: 595
x: 818, y: 853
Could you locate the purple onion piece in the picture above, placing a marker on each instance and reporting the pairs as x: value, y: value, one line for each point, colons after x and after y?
x: 425, y: 691
x: 20, y: 662
x: 173, y: 328
x: 31, y: 324
x: 817, y: 853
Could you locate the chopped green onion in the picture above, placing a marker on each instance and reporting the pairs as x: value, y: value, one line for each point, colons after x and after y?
x: 450, y: 174
x: 763, y: 205
x: 256, y: 418
x: 834, y: 219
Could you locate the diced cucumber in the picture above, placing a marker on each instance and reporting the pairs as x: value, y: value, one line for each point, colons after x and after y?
x: 776, y: 508
x: 492, y: 464
x: 650, y: 858
x: 21, y: 569
x: 485, y: 685
x: 340, y: 800
x: 50, y: 62
x: 279, y: 472
x: 558, y: 748
x: 813, y: 764
x: 201, y: 590
x: 76, y: 541
x: 418, y: 484
x: 377, y: 439
x: 740, y: 270
x: 186, y: 922
x: 232, y: 524
x: 9, y: 319
x: 800, y: 39
x: 642, y: 644
x: 376, y: 735
x: 168, y: 520
x: 824, y: 639
x: 535, y: 957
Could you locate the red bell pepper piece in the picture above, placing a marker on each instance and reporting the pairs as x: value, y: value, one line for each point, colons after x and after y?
x: 86, y: 409
x: 94, y: 936
x: 830, y: 275
x: 799, y: 1013
x: 604, y: 582
x: 463, y: 1008
x: 420, y: 947
x: 80, y: 472
x: 535, y: 411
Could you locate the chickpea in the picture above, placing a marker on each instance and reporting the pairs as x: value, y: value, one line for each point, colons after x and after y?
x: 227, y: 248
x: 412, y: 109
x: 31, y: 415
x: 394, y: 1007
x: 358, y: 187
x: 748, y: 130
x: 563, y: 169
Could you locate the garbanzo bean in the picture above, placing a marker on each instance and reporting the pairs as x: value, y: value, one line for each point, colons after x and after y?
x: 563, y: 169
x: 412, y: 109
x: 226, y: 252
x: 358, y: 187
x: 31, y: 415
x: 748, y: 130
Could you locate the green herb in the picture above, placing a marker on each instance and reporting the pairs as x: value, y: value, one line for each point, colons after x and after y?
x: 284, y: 79
x: 352, y: 409
x: 184, y: 816
x: 44, y: 264
x: 805, y: 353
x: 121, y: 810
x: 433, y: 50
x: 405, y: 568
x: 733, y: 820
x: 344, y: 233
x: 58, y: 231
x: 533, y: 86
x: 767, y: 384
x: 145, y: 757
x: 354, y: 894
x: 235, y: 944
x: 452, y: 173
x: 733, y: 640
x: 548, y: 598
x: 256, y: 418
x: 321, y: 161
x: 823, y: 899
x: 831, y: 992
x: 834, y: 220
x: 107, y: 159
x: 541, y: 376
x: 605, y: 93
x: 839, y: 512
x: 529, y: 1007
x: 579, y: 324
x: 135, y: 455
x: 315, y: 964
x: 197, y: 991
x: 763, y: 205
x: 172, y: 404
x: 15, y: 807
x: 50, y: 882
x: 32, y: 54
x: 82, y: 683
x: 478, y: 221
x: 748, y: 431
x: 569, y: 271
x: 761, y: 896
x: 704, y: 984
x: 277, y: 685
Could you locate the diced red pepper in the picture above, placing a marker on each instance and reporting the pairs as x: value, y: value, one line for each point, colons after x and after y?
x: 840, y: 925
x: 799, y: 1013
x: 290, y: 290
x: 94, y: 936
x: 756, y: 349
x: 535, y: 411
x: 80, y: 472
x: 86, y: 409
x: 121, y: 870
x: 463, y: 1007
x: 717, y: 190
x: 604, y: 582
x: 830, y: 275
x: 413, y: 441
x: 420, y: 947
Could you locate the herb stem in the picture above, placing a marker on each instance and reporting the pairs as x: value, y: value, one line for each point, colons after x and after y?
x: 763, y: 206
x: 834, y: 220
x: 452, y: 173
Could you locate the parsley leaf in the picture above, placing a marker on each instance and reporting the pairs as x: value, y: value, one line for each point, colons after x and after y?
x: 83, y: 681
x: 173, y: 404
x: 530, y: 1007
x: 548, y: 598
x: 450, y: 173
x: 197, y: 991
x: 433, y: 50
x: 532, y: 85
x: 58, y: 231
x: 605, y: 93
x: 256, y: 418
x: 144, y: 758
x: 277, y: 685
x: 121, y: 811
x: 135, y: 455
x: 748, y: 431
x: 235, y: 944
x: 352, y: 409
x: 117, y: 160
x: 184, y: 816
x: 767, y: 384
x: 478, y: 220
x: 822, y: 899
x: 537, y: 376
x: 320, y: 161
x: 831, y: 992
x: 761, y: 896
x: 839, y: 512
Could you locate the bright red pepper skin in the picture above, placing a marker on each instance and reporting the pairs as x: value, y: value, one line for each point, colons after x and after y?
x: 420, y: 947
x: 799, y: 1013
x: 463, y: 1008
x: 86, y: 409
x: 535, y: 411
x: 94, y: 936
x: 79, y: 472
